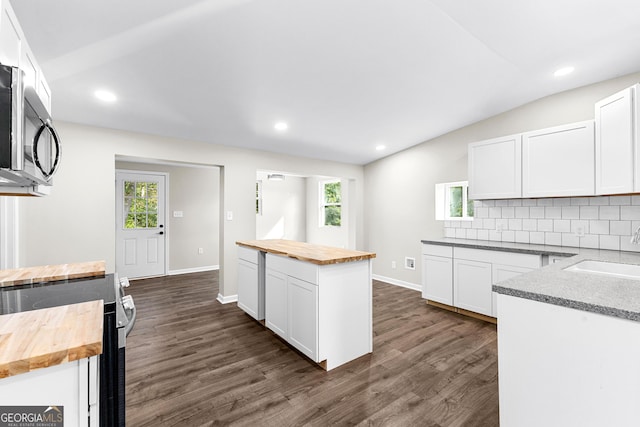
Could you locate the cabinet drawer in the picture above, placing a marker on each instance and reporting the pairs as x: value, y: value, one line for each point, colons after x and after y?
x: 437, y: 250
x: 294, y: 268
x: 249, y: 255
x: 499, y: 257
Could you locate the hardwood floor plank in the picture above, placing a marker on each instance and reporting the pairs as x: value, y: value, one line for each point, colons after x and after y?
x: 192, y: 361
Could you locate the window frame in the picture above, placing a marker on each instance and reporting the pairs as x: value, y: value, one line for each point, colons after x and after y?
x: 259, y: 197
x: 443, y: 200
x: 323, y: 204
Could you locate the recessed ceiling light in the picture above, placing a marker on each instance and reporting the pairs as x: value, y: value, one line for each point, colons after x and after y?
x: 380, y: 147
x: 281, y: 126
x: 563, y: 71
x: 105, y: 95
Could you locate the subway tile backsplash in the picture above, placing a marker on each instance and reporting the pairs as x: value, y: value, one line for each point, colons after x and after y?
x: 604, y: 222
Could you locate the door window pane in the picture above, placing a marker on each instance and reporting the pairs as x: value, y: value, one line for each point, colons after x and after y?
x: 140, y: 204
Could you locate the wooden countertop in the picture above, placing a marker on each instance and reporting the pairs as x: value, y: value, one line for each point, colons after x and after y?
x: 315, y: 254
x: 45, y: 273
x: 37, y: 339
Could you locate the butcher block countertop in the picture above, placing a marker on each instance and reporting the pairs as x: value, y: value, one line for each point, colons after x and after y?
x: 47, y: 273
x: 37, y: 339
x: 315, y: 254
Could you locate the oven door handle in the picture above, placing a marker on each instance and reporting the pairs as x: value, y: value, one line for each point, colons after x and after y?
x: 132, y: 321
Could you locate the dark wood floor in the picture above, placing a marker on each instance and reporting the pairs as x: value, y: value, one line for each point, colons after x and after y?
x: 192, y: 361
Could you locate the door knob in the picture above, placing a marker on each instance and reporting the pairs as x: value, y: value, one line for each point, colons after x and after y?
x: 162, y: 232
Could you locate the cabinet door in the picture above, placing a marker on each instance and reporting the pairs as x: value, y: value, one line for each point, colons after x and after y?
x: 10, y: 36
x: 248, y: 288
x: 495, y: 168
x: 559, y: 161
x: 276, y: 302
x: 472, y: 286
x: 500, y: 273
x: 303, y: 316
x: 437, y: 279
x: 615, y: 140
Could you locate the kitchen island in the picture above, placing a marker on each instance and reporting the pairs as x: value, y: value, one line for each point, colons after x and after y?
x: 317, y: 298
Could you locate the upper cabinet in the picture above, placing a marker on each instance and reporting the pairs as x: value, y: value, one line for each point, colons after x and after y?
x: 559, y: 161
x: 495, y: 168
x: 590, y: 158
x: 616, y: 143
x: 15, y: 51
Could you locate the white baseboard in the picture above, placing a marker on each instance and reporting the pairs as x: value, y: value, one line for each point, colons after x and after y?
x: 402, y: 283
x: 193, y: 270
x: 226, y: 300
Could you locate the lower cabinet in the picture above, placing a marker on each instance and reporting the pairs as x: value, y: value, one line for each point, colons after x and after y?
x: 292, y: 303
x: 463, y: 277
x: 72, y: 386
x: 276, y: 302
x: 437, y: 274
x: 302, y: 313
x: 472, y: 286
x: 251, y: 282
x: 324, y: 311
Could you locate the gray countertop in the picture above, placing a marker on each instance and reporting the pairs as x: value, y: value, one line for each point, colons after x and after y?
x: 551, y: 284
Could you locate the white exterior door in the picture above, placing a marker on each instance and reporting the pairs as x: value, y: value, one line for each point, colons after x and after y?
x: 140, y: 224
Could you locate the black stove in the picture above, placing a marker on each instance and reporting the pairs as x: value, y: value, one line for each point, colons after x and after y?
x: 19, y: 298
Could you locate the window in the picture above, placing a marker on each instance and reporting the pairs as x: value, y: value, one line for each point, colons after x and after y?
x: 258, y: 197
x: 140, y: 204
x: 452, y: 201
x: 330, y: 203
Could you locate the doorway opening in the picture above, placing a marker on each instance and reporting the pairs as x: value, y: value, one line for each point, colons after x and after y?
x: 191, y: 228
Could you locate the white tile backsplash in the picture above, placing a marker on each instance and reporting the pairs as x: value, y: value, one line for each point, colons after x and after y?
x: 604, y: 222
x: 609, y: 212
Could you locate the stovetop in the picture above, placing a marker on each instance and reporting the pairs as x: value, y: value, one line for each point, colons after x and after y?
x: 15, y: 299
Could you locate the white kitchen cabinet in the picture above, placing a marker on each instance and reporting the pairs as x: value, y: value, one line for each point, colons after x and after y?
x: 325, y: 311
x: 617, y: 156
x: 276, y: 302
x: 251, y: 282
x: 302, y: 314
x: 15, y: 51
x: 11, y: 37
x: 472, y: 286
x: 463, y: 277
x: 437, y: 273
x: 559, y: 161
x: 72, y: 385
x: 495, y: 168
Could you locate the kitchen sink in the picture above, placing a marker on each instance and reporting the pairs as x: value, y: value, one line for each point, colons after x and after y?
x: 612, y: 269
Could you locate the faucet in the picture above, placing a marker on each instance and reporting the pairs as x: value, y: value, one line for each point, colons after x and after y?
x: 635, y: 239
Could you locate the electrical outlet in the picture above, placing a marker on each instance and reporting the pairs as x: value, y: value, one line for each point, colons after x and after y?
x: 579, y: 231
x: 200, y: 251
x: 393, y: 264
x: 499, y: 227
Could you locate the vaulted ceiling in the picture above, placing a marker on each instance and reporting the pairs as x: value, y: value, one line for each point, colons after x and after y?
x: 345, y: 75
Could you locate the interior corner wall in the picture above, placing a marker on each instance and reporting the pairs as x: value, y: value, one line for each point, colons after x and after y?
x: 399, y: 195
x: 195, y: 192
x: 284, y: 208
x: 76, y: 222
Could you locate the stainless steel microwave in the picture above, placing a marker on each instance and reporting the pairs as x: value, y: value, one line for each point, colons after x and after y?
x: 29, y: 144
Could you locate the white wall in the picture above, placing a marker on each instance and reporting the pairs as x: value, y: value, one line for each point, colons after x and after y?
x: 76, y: 222
x: 399, y: 196
x: 195, y: 192
x: 284, y: 208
